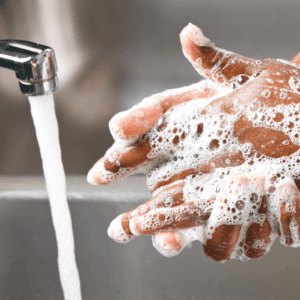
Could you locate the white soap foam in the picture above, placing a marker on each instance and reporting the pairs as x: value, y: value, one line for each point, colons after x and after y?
x: 195, y: 34
x: 116, y: 231
x: 189, y: 152
x: 191, y: 138
x: 118, y: 133
x: 185, y: 236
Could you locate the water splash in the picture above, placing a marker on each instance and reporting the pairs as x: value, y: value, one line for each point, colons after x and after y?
x: 45, y: 122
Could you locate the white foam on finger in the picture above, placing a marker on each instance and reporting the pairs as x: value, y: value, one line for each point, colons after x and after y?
x: 137, y: 112
x: 116, y: 231
x: 91, y: 178
x: 184, y: 237
x: 191, y: 138
x: 195, y: 34
x: 162, y: 247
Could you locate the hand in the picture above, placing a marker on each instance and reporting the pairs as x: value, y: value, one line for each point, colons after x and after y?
x: 220, y: 155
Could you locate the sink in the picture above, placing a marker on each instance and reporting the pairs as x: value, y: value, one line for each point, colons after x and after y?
x: 109, y: 270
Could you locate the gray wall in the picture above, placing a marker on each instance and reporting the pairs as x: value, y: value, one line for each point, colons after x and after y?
x: 111, y: 54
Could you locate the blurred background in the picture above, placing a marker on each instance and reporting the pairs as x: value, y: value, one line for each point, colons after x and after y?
x: 113, y: 53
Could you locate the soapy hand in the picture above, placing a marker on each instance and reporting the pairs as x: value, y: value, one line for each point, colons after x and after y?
x: 220, y: 155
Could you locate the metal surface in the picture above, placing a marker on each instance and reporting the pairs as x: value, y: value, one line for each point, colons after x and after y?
x: 109, y: 270
x: 31, y: 188
x: 35, y: 66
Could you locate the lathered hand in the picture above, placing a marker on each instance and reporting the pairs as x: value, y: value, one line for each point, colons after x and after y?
x: 221, y: 156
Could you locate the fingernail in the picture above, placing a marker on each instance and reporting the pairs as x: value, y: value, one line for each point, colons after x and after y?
x: 135, y: 225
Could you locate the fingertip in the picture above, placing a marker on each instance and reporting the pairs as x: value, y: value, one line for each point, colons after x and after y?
x: 96, y: 174
x: 188, y: 28
x: 116, y: 130
x: 172, y: 240
x: 91, y: 178
x: 116, y: 231
x: 95, y: 177
x: 169, y: 243
x: 192, y: 36
x: 128, y: 126
x: 125, y: 127
x: 111, y: 232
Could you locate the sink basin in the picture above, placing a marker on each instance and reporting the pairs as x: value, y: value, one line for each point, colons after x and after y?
x: 109, y: 270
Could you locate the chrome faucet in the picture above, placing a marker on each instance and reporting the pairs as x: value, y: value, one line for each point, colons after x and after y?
x: 35, y: 66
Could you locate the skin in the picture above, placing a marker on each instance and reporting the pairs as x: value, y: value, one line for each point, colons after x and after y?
x: 249, y: 79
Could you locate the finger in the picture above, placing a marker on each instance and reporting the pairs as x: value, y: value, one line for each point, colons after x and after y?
x: 296, y: 59
x: 260, y: 138
x: 120, y: 162
x: 129, y: 125
x: 256, y: 240
x: 161, y: 177
x: 246, y: 132
x: 214, y: 63
x: 119, y: 229
x: 183, y: 216
x: 224, y: 226
x: 171, y: 243
x: 288, y: 212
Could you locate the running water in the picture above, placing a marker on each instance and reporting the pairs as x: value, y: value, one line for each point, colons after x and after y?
x: 45, y: 122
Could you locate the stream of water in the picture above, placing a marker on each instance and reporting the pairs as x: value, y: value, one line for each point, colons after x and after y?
x: 45, y: 122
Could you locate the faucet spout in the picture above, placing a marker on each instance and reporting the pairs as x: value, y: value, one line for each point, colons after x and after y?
x: 35, y: 66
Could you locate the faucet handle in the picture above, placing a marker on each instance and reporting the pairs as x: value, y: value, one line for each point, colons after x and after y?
x: 35, y: 66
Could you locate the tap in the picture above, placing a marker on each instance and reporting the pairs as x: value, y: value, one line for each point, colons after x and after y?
x: 35, y: 66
